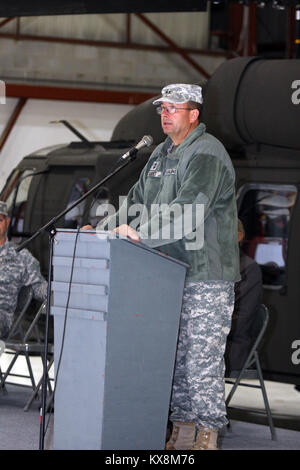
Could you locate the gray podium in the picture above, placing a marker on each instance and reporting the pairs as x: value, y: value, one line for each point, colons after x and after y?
x: 116, y: 307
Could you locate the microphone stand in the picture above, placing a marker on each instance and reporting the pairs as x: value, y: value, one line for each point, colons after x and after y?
x: 50, y: 228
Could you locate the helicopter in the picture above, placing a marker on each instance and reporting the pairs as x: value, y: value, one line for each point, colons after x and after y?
x: 253, y: 106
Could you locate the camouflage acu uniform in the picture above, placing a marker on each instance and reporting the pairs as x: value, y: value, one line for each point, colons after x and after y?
x: 17, y: 269
x: 196, y: 172
x: 198, y: 387
x: 180, y: 93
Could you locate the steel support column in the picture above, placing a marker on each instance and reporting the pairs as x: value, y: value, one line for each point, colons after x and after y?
x: 173, y: 45
x: 11, y: 122
x: 7, y: 20
x: 297, y: 32
x: 252, y: 26
x: 290, y: 35
x: 235, y: 25
x: 76, y: 94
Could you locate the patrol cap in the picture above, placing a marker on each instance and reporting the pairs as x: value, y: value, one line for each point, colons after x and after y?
x: 3, y: 208
x: 177, y: 93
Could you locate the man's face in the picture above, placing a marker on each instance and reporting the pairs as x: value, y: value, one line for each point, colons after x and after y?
x: 4, y: 223
x: 178, y: 125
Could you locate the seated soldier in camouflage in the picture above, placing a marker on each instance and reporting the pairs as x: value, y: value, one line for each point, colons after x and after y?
x: 17, y: 269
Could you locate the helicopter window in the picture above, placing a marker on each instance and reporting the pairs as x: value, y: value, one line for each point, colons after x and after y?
x: 73, y: 219
x: 15, y: 194
x: 265, y: 211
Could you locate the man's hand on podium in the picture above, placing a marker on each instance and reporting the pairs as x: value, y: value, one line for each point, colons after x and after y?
x: 126, y: 231
x: 123, y: 230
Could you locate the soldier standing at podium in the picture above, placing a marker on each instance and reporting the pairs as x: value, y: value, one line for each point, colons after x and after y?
x: 191, y: 169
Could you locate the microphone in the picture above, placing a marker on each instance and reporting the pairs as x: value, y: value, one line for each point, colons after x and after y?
x: 145, y: 142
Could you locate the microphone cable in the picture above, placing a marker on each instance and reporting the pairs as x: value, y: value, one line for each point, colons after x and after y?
x: 64, y: 330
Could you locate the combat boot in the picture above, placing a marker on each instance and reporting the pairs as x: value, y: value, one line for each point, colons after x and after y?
x: 206, y: 439
x: 182, y: 437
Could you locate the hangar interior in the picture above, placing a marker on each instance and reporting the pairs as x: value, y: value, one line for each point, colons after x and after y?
x: 96, y: 55
x: 91, y: 69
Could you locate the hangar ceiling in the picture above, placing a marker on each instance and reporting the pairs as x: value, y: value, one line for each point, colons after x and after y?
x: 91, y: 45
x: 56, y: 7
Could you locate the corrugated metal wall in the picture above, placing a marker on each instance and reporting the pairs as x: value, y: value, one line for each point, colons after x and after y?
x: 186, y: 29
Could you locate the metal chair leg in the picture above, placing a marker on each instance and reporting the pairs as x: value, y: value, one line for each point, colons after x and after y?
x: 38, y: 387
x: 265, y: 397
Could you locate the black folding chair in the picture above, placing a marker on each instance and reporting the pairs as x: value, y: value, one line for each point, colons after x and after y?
x: 17, y: 329
x: 24, y: 340
x: 252, y: 368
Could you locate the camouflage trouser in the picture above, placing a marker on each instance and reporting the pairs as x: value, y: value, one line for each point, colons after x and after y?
x: 198, y: 393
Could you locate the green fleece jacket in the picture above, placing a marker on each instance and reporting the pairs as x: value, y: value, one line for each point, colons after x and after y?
x: 184, y: 205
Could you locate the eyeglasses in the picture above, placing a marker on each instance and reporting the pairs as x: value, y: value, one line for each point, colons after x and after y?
x: 170, y: 109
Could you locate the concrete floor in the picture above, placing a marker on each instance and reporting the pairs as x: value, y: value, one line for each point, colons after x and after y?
x: 283, y: 398
x: 284, y: 402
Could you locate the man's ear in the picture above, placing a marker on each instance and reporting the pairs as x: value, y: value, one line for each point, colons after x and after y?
x: 194, y: 114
